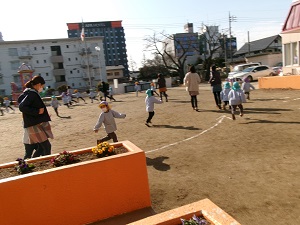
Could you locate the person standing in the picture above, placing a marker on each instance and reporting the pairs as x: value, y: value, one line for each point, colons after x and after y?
x: 137, y: 88
x: 150, y: 100
x: 192, y: 81
x: 161, y: 84
x: 236, y: 98
x: 107, y: 117
x: 36, y: 119
x: 216, y: 84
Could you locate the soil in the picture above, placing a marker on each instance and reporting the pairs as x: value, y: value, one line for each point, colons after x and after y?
x: 248, y: 167
x: 46, y: 164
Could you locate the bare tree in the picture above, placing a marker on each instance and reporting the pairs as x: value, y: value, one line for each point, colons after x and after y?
x: 174, y: 50
x: 163, y: 46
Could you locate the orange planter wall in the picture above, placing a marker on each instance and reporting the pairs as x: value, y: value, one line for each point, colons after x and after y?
x: 209, y: 210
x: 79, y: 193
x: 285, y: 82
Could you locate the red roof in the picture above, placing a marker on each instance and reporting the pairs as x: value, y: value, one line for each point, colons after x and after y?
x: 292, y: 22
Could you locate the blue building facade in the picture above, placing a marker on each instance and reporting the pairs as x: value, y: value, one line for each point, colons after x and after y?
x: 114, y: 40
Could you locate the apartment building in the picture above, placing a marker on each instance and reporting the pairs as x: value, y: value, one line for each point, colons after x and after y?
x: 67, y: 61
x: 114, y: 42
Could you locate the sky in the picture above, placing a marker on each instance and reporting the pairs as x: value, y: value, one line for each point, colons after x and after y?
x: 32, y: 19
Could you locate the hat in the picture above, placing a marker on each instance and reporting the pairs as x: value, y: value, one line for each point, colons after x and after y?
x: 227, y: 85
x: 149, y: 92
x: 247, y: 80
x: 236, y: 86
x: 104, y: 103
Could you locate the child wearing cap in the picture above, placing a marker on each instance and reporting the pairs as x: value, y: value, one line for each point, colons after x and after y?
x: 246, y: 87
x: 150, y: 100
x: 55, y: 103
x: 107, y: 117
x: 236, y: 97
x: 224, y: 95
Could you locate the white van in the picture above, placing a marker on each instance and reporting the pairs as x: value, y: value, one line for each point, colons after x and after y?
x: 241, y: 67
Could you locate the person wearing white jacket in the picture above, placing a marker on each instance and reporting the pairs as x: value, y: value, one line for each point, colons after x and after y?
x: 236, y: 99
x: 150, y: 100
x: 224, y: 95
x: 192, y: 81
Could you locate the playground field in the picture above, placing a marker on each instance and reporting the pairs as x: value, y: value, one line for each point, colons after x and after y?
x: 249, y: 167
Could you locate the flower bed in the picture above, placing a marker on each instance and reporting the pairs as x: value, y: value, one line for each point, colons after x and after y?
x: 79, y: 193
x: 206, y: 208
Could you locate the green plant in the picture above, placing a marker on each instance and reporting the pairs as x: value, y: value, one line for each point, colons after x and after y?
x: 64, y: 158
x: 103, y: 149
x: 23, y: 167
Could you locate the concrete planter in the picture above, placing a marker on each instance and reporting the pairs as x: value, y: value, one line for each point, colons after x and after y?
x: 279, y: 82
x: 210, y: 211
x: 80, y: 193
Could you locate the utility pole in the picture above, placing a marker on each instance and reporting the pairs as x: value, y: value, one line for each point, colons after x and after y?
x: 248, y: 43
x: 231, y: 19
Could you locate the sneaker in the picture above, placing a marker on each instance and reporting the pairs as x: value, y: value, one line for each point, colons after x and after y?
x: 241, y: 114
x: 233, y: 117
x: 147, y: 124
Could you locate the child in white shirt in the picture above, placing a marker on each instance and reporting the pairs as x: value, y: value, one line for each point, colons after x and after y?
x: 246, y: 87
x: 236, y: 97
x: 55, y: 103
x: 224, y: 95
x: 150, y: 100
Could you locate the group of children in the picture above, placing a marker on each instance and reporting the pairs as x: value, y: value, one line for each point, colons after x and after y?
x: 235, y: 96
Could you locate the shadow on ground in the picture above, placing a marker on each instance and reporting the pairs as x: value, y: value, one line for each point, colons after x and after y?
x: 158, y: 163
x: 176, y: 127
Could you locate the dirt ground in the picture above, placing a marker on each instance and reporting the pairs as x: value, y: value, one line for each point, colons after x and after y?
x: 248, y: 167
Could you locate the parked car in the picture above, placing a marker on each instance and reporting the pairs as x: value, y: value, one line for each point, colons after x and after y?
x: 253, y: 73
x: 277, y: 68
x: 239, y: 68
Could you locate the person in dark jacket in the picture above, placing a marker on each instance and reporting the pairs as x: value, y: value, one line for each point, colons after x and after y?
x: 216, y: 84
x: 36, y: 119
x: 161, y: 85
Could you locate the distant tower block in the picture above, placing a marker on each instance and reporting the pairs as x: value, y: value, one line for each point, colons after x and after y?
x: 189, y: 28
x: 1, y: 37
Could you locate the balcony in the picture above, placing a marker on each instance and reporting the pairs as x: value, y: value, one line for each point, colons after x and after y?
x: 25, y: 55
x: 58, y: 84
x: 59, y: 72
x: 57, y: 59
x: 84, y: 51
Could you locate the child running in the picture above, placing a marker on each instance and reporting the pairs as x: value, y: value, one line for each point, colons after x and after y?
x: 246, y: 87
x: 55, y: 103
x: 7, y: 104
x: 150, y: 100
x: 107, y: 117
x: 236, y: 97
x: 224, y: 95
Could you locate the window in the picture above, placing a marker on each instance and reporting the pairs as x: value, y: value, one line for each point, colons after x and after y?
x: 73, y: 84
x: 13, y: 52
x: 69, y: 59
x: 76, y: 59
x: 43, y: 47
x: 67, y: 46
x: 78, y: 71
x: 117, y: 73
x: 47, y: 74
x: 1, y: 79
x: 71, y: 72
x: 14, y: 65
x: 294, y: 53
x: 34, y: 48
x: 45, y: 61
x: 37, y: 61
x: 287, y: 54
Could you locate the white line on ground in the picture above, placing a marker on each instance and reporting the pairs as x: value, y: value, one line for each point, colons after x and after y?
x: 220, y: 120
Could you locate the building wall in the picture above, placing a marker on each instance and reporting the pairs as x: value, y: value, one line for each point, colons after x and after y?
x: 114, y: 40
x: 67, y: 62
x: 291, y: 47
x: 269, y: 59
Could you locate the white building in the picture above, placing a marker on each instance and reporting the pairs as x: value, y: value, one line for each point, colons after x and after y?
x: 66, y: 61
